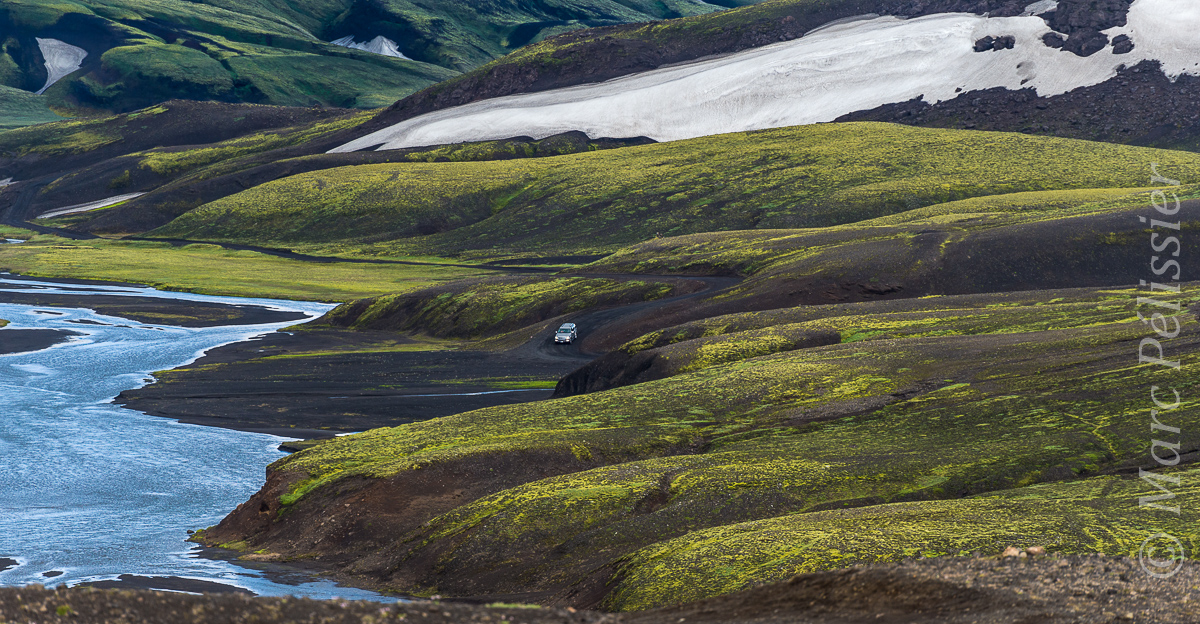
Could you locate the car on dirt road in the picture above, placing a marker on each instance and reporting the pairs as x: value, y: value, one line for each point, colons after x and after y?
x: 566, y: 334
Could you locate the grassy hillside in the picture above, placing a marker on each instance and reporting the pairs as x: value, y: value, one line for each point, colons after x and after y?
x: 212, y: 270
x: 801, y: 177
x: 475, y: 308
x: 641, y: 495
x: 21, y: 108
x: 264, y: 51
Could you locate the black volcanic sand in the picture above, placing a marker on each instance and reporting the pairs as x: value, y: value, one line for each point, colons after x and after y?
x: 23, y: 340
x: 96, y: 606
x: 1047, y: 590
x: 155, y: 311
x: 247, y: 386
x: 168, y: 583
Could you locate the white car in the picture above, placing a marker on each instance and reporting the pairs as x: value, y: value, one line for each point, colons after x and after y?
x: 565, y: 334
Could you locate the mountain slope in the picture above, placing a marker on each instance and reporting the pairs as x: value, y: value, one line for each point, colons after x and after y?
x: 836, y: 70
x: 807, y: 176
x: 267, y: 51
x: 21, y: 108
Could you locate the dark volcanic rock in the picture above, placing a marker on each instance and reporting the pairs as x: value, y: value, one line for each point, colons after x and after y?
x: 1122, y: 44
x: 1089, y: 15
x: 25, y: 340
x: 1086, y: 42
x: 1083, y: 20
x: 1140, y: 106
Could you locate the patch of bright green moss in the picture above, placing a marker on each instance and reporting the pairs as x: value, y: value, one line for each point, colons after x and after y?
x: 1099, y: 515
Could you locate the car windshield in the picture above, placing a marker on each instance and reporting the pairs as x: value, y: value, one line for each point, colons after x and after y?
x: 564, y: 331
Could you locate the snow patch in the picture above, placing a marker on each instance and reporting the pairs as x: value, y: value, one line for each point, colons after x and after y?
x: 839, y: 69
x: 61, y: 59
x: 96, y: 205
x: 6, y: 182
x: 379, y: 45
x: 1038, y: 8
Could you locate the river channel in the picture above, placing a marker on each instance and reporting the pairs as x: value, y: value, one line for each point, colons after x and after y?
x: 90, y: 491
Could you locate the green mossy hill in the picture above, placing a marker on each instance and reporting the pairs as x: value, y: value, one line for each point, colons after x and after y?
x: 1090, y: 245
x: 754, y: 252
x: 489, y: 306
x: 150, y: 169
x: 219, y: 170
x: 209, y: 269
x: 789, y: 436
x: 810, y: 176
x: 1098, y: 515
x: 264, y: 51
x: 21, y: 108
x: 735, y: 337
x: 173, y: 162
x: 927, y: 316
x: 35, y: 151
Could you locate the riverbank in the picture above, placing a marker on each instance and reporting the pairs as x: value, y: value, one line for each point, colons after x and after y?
x: 1027, y: 588
x: 155, y: 479
x: 23, y: 340
x: 178, y: 312
x: 314, y: 382
x: 318, y: 382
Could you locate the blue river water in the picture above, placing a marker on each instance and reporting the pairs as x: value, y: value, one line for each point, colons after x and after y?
x: 90, y: 490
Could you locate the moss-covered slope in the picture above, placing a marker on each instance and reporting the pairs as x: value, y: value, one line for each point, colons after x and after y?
x: 810, y: 176
x: 485, y: 307
x: 554, y: 498
x: 21, y: 108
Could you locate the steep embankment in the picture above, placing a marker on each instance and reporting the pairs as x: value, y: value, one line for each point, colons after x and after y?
x: 809, y: 176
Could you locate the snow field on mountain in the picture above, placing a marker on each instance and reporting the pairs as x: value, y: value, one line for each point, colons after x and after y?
x: 839, y: 69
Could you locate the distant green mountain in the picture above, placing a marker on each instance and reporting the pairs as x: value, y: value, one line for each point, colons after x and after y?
x: 278, y: 51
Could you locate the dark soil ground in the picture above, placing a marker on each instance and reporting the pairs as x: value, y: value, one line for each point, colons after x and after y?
x: 22, y: 340
x: 140, y: 309
x: 152, y: 310
x: 253, y: 386
x: 1045, y: 590
x: 1114, y: 111
x: 323, y: 380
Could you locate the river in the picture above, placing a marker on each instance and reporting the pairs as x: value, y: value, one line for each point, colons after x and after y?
x: 90, y: 490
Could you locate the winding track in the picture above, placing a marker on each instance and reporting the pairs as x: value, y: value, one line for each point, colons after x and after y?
x: 592, y: 324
